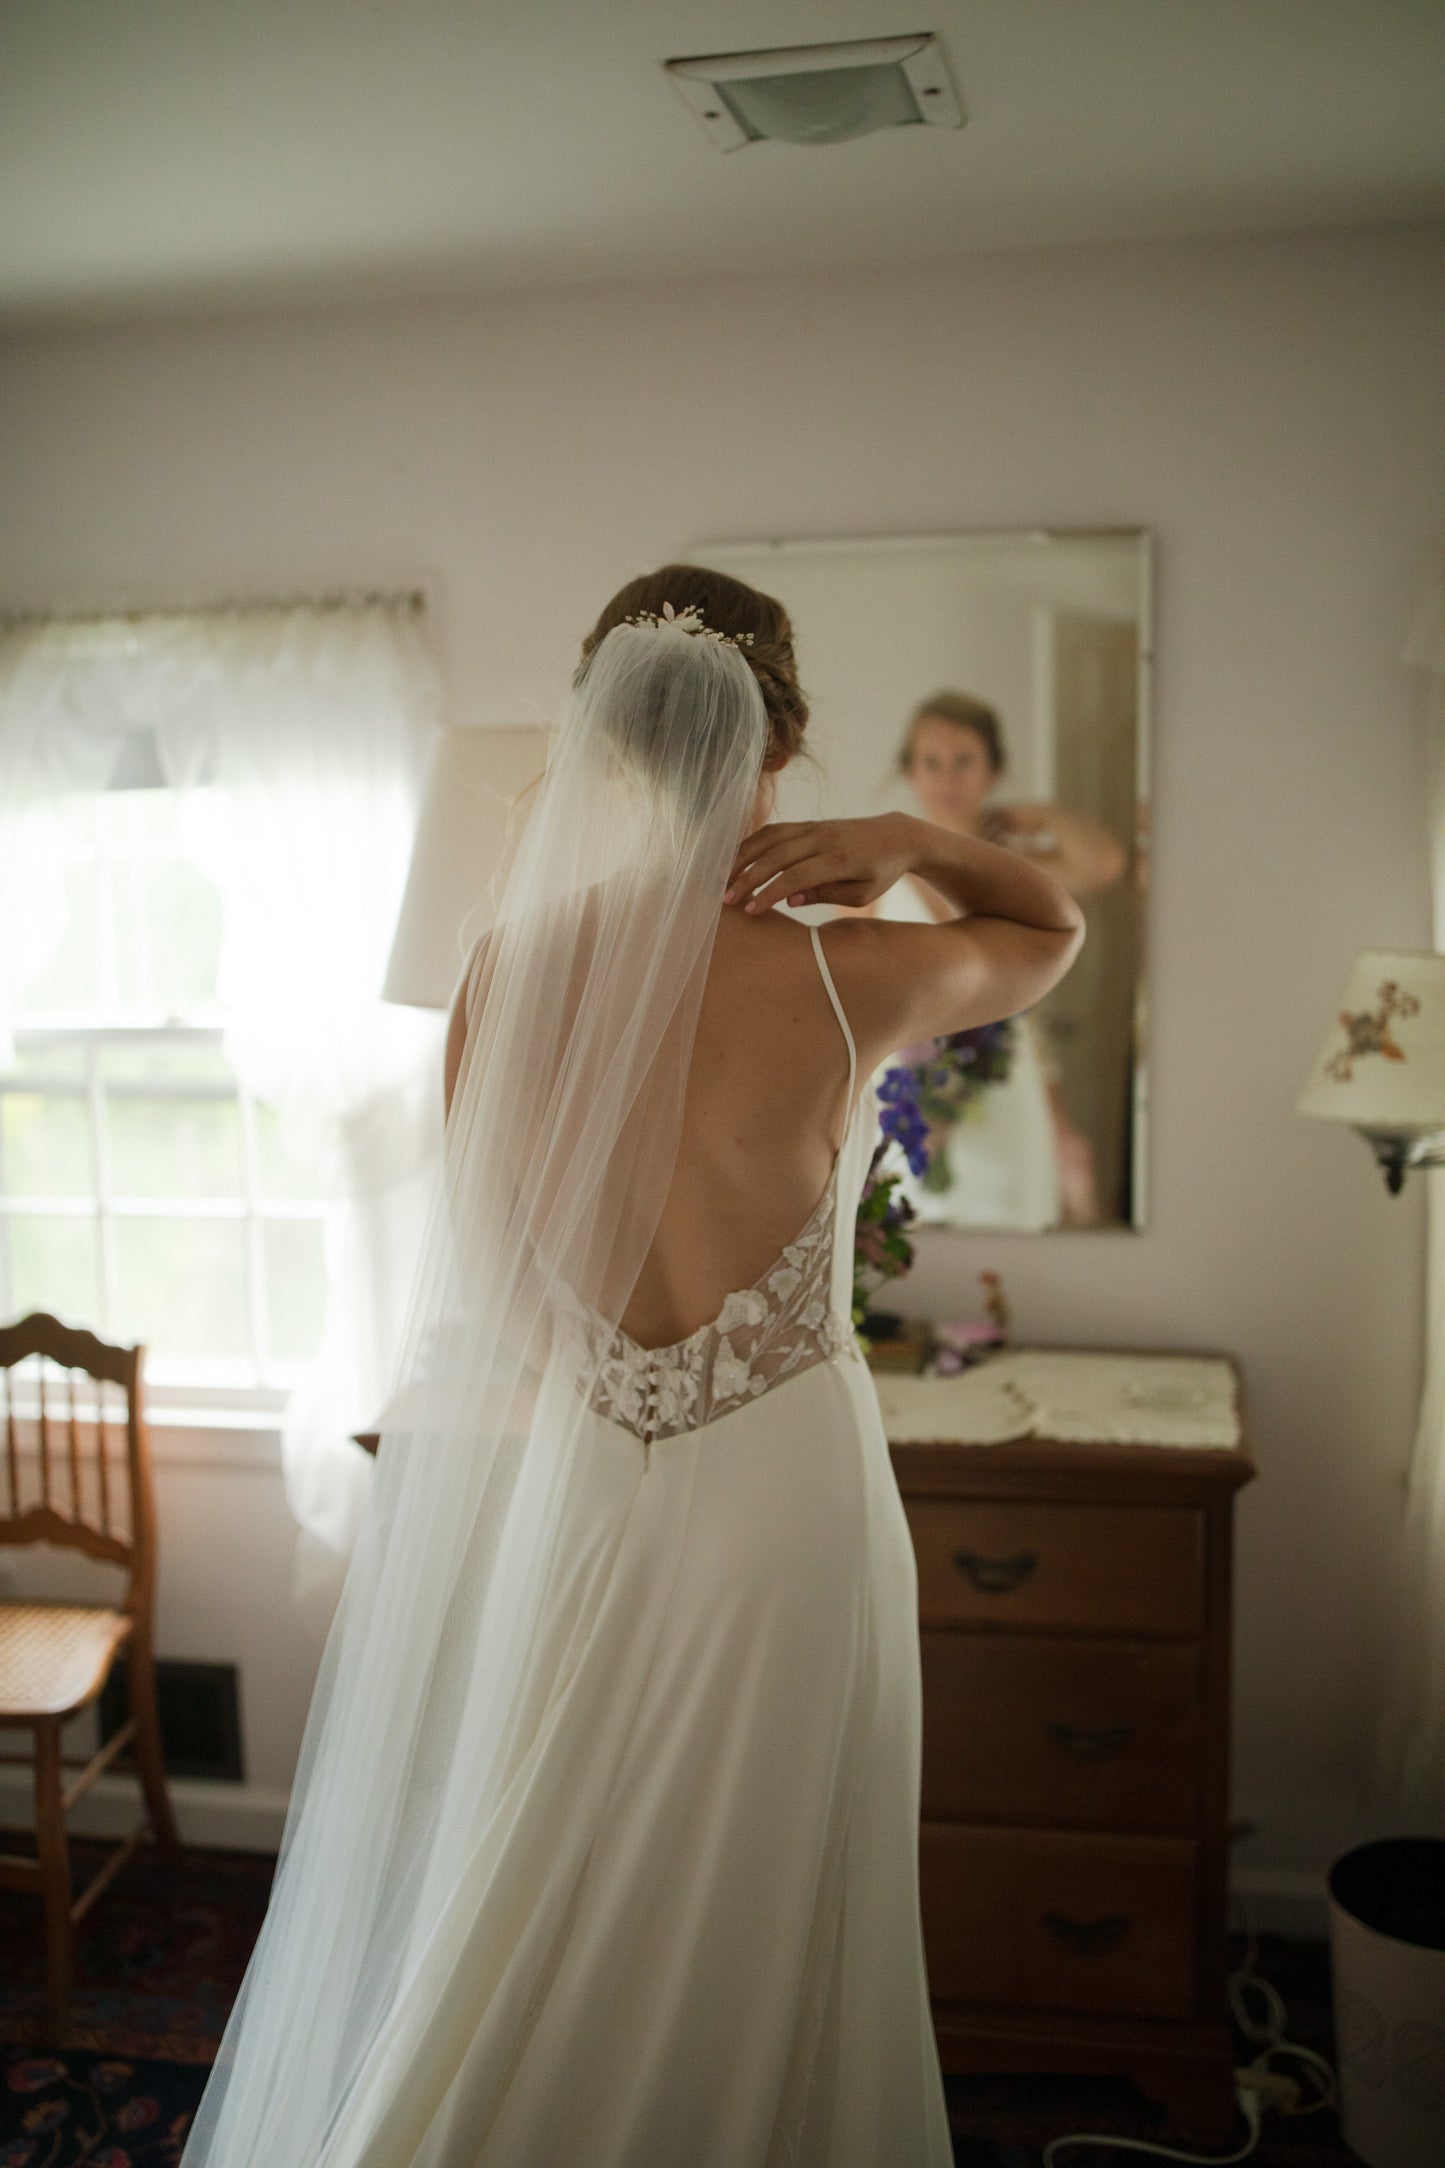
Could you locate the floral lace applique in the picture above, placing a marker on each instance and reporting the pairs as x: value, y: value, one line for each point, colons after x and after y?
x: 783, y: 1323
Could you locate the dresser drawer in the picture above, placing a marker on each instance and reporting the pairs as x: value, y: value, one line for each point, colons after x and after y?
x: 1125, y: 1569
x: 1034, y: 1728
x: 1040, y: 1920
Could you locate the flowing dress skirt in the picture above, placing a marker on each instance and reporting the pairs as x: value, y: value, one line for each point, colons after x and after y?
x: 734, y: 1971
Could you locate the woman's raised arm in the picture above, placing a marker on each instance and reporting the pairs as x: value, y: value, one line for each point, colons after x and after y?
x: 1017, y: 932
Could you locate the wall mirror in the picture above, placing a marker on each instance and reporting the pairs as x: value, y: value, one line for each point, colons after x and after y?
x: 998, y: 682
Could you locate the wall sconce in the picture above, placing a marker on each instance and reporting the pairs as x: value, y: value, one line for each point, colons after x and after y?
x: 1381, y: 1066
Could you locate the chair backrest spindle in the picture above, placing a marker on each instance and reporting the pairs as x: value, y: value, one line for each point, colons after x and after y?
x: 43, y: 1518
x: 44, y: 1437
x: 12, y: 1453
x: 73, y: 1440
x: 103, y: 1451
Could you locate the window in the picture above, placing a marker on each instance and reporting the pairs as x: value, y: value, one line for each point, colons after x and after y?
x: 143, y: 1192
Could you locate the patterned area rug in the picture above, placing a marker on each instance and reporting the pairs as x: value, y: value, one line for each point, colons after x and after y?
x: 160, y: 1958
x: 88, y: 2111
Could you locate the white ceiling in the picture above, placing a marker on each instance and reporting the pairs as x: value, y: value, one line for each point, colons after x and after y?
x: 168, y: 156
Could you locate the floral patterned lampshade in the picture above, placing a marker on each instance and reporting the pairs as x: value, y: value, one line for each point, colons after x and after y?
x: 1381, y: 1065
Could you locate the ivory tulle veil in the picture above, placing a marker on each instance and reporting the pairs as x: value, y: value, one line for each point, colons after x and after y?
x: 393, y: 1921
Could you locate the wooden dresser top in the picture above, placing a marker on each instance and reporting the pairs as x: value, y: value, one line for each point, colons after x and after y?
x: 1152, y: 1423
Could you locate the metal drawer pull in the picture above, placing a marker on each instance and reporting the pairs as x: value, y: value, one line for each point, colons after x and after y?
x: 1087, y: 1938
x: 995, y: 1576
x: 1081, y: 1744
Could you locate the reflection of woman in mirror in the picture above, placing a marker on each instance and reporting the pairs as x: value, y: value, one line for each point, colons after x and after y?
x: 1018, y: 1161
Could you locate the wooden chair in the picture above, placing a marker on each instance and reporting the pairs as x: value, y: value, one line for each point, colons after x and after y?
x: 55, y: 1656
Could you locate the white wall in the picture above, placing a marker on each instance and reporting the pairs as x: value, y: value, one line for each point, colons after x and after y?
x: 1274, y: 409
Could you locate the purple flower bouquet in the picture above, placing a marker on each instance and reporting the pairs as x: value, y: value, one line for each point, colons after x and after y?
x: 934, y: 1085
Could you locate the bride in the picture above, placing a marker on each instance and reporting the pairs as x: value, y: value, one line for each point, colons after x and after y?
x: 602, y: 1846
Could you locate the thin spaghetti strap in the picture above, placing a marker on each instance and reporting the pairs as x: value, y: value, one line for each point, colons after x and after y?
x: 837, y: 1010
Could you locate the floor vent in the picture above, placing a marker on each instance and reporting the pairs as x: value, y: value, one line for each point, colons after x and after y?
x: 200, y: 1713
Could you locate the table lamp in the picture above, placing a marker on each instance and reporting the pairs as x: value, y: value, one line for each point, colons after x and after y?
x: 468, y: 817
x: 1381, y: 1066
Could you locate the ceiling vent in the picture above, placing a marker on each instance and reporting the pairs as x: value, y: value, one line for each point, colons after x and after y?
x: 819, y: 93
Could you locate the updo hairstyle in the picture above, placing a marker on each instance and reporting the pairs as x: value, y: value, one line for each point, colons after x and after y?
x: 729, y: 606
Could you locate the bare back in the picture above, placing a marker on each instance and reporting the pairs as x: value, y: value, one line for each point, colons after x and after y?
x: 763, y: 1117
x: 765, y: 1106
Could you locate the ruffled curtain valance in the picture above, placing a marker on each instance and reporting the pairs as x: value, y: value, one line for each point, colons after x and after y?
x: 298, y: 737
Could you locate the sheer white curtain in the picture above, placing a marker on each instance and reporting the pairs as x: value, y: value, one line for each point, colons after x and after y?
x: 1410, y: 1757
x: 299, y: 738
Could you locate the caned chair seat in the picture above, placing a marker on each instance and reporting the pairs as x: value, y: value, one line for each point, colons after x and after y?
x: 55, y: 1657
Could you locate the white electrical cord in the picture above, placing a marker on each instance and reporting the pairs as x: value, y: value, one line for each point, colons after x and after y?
x: 1250, y: 2086
x: 1271, y: 2031
x: 1249, y: 2108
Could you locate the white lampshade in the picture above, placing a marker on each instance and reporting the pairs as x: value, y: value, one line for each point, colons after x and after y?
x: 1381, y: 1065
x: 468, y: 820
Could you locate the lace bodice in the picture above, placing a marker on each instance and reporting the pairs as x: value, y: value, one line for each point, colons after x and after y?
x: 785, y: 1322
x: 762, y: 1334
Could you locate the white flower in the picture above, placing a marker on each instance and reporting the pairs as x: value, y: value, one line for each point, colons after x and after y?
x: 676, y: 1392
x: 730, y: 1374
x: 784, y: 1280
x: 747, y: 1306
x: 620, y: 1385
x: 687, y: 619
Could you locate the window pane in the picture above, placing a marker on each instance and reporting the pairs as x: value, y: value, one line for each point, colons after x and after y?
x: 140, y: 819
x: 167, y: 930
x: 155, y: 1060
x: 75, y: 816
x: 53, y: 1266
x: 49, y: 1058
x: 295, y: 1286
x: 283, y: 1174
x: 71, y: 977
x: 172, y: 1147
x: 45, y: 1145
x: 182, y: 1285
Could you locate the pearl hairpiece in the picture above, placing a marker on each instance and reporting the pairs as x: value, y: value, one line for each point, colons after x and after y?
x: 689, y: 620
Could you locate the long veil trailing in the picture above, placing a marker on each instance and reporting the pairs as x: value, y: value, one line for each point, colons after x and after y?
x: 437, y: 1828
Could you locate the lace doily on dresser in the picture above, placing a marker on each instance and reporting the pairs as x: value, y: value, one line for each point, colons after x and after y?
x: 783, y: 1323
x: 1074, y: 1395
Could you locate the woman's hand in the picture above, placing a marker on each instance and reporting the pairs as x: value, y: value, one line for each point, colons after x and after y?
x: 841, y: 861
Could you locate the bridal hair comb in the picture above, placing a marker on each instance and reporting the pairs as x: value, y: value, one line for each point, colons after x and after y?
x: 689, y: 620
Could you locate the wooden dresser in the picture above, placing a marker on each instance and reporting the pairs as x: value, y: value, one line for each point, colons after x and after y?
x: 1074, y: 1612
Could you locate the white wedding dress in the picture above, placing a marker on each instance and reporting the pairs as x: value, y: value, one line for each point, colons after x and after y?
x: 601, y: 1849
x: 737, y: 1977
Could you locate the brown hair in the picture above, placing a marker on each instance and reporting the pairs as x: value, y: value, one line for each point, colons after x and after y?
x: 729, y: 606
x: 968, y: 713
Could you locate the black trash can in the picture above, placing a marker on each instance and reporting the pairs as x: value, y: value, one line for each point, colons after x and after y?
x: 1387, y: 1962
